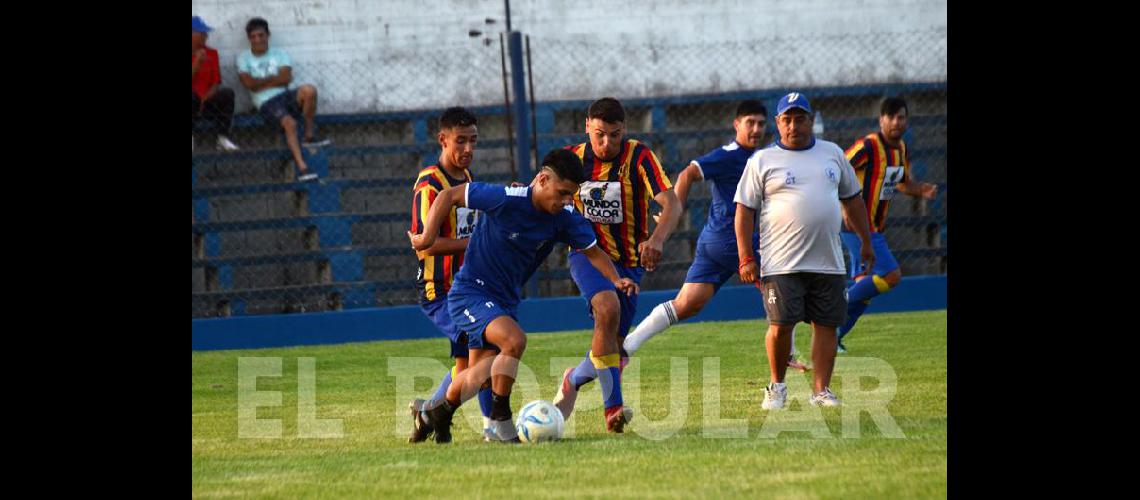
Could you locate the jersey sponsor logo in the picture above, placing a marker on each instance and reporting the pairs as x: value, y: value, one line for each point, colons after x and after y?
x: 602, y: 201
x: 465, y: 219
x: 891, y: 177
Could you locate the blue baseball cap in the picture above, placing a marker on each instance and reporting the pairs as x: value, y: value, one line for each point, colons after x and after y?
x: 199, y: 26
x: 793, y: 100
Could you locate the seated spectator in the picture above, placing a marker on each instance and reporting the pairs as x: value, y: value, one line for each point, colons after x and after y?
x: 209, y: 99
x: 267, y: 74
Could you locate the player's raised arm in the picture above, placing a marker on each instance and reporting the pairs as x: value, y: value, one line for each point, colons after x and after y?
x: 440, y: 210
x: 605, y: 265
x: 685, y: 180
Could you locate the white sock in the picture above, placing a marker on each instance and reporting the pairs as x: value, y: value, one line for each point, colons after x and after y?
x: 486, y: 422
x: 660, y: 318
x: 793, y: 341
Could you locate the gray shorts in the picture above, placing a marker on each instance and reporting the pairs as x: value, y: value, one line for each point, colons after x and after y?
x: 810, y: 297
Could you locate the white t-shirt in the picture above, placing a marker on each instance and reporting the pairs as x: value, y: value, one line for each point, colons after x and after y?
x: 264, y: 66
x: 797, y: 193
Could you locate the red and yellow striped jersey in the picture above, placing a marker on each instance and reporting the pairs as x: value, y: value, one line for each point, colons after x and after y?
x: 436, y: 272
x: 616, y: 197
x: 879, y: 167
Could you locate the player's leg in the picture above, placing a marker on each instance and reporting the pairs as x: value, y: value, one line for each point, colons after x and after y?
x: 473, y: 315
x: 825, y: 307
x: 606, y: 309
x: 783, y: 297
x: 584, y: 372
x: 882, y: 279
x: 504, y: 332
x: 689, y: 301
x: 706, y: 274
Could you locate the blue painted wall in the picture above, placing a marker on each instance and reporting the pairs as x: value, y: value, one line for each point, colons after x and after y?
x: 914, y: 293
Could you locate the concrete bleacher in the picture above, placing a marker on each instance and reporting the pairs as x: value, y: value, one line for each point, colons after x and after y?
x: 264, y: 244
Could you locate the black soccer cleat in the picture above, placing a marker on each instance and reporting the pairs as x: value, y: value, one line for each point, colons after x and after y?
x: 439, y: 419
x: 421, y: 430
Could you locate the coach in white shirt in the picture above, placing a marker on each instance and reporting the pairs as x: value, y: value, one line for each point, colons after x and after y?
x: 799, y: 185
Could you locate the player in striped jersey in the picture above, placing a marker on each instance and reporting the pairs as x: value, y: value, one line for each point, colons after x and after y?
x: 458, y: 134
x: 623, y: 175
x: 882, y: 163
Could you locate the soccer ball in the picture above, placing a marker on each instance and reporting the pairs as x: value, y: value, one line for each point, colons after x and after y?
x: 539, y: 421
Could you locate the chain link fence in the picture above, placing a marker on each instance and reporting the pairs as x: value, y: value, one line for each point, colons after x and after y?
x: 266, y: 244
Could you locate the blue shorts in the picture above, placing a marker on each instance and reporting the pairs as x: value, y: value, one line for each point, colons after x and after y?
x: 591, y: 282
x: 280, y: 106
x: 716, y: 261
x: 436, y: 311
x: 884, y: 261
x: 472, y: 312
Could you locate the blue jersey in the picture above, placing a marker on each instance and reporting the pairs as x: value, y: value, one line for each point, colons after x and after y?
x: 723, y: 167
x: 509, y: 239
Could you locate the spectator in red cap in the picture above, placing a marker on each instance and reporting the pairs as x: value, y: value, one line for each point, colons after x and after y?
x: 210, y: 100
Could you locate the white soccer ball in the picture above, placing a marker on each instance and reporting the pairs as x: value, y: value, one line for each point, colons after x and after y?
x: 539, y: 421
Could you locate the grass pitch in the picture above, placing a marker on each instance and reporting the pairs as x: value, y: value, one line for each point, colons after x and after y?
x: 698, y: 428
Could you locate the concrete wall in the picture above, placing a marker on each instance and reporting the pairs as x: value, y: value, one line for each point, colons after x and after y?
x: 390, y: 55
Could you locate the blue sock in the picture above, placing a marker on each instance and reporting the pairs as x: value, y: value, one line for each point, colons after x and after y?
x: 609, y: 375
x: 584, y: 373
x: 865, y: 289
x: 442, y: 389
x: 485, y: 402
x: 854, y: 310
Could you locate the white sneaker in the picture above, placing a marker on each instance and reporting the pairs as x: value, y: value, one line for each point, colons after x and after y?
x: 224, y: 143
x: 825, y: 398
x: 566, y: 396
x: 774, y: 396
x: 501, y: 431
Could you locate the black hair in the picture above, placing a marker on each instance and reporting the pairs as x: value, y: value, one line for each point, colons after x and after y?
x: 566, y: 165
x: 457, y: 117
x: 608, y: 109
x: 256, y: 23
x: 892, y: 105
x: 751, y: 107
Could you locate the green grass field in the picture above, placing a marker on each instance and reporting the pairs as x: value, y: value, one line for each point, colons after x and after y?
x: 671, y: 449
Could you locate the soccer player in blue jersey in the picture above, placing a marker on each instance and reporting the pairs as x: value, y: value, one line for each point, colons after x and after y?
x: 516, y: 229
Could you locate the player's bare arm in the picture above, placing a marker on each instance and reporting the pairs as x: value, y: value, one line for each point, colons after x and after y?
x: 605, y: 265
x: 685, y: 180
x: 743, y: 225
x: 448, y: 198
x: 921, y: 189
x: 650, y: 250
